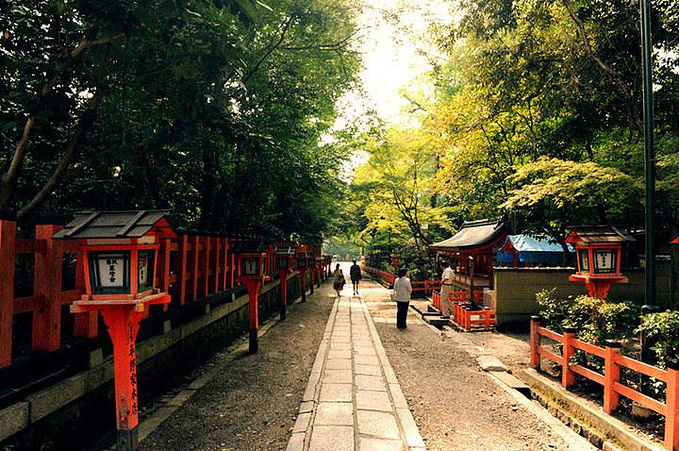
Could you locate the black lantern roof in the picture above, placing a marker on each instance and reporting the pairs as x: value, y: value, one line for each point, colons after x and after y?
x: 597, y: 235
x: 116, y: 224
x: 249, y: 247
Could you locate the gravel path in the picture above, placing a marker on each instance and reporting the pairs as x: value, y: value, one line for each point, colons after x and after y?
x: 455, y: 404
x: 252, y: 404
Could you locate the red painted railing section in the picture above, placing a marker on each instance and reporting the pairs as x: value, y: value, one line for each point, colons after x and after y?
x: 191, y: 267
x: 610, y: 379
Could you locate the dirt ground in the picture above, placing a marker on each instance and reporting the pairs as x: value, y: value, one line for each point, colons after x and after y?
x: 455, y: 405
x: 252, y: 405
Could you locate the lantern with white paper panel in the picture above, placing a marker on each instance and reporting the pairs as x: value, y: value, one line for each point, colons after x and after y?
x: 599, y: 250
x: 120, y: 251
x: 251, y: 261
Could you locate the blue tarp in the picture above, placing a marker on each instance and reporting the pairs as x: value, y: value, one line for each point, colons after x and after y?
x: 532, y: 250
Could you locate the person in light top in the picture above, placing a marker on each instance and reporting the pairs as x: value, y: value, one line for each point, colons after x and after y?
x: 402, y: 291
x: 446, y: 289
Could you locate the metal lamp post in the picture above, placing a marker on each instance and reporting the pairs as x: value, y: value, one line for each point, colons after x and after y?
x: 649, y: 149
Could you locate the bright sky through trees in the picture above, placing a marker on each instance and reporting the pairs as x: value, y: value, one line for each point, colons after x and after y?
x: 394, y: 47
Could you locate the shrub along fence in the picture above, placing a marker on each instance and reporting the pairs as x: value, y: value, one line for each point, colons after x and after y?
x: 610, y: 379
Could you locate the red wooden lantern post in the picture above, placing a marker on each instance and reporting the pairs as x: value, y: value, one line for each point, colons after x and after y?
x: 395, y: 262
x: 320, y: 273
x: 599, y: 251
x: 284, y: 254
x: 328, y: 265
x: 311, y: 264
x: 301, y: 267
x: 120, y: 255
x: 251, y: 261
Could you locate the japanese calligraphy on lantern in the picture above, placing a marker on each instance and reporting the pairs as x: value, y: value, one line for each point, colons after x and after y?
x: 111, y: 270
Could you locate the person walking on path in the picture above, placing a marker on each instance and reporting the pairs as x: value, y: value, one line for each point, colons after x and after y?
x: 338, y: 279
x: 402, y: 291
x: 446, y: 288
x: 355, y: 274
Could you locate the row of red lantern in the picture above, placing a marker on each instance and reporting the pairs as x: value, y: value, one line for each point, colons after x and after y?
x: 120, y: 253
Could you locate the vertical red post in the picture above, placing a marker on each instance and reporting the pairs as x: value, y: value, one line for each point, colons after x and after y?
x: 232, y: 270
x: 205, y: 288
x: 183, y: 256
x: 486, y: 318
x: 47, y: 284
x: 283, y: 279
x: 302, y: 275
x: 534, y: 342
x: 311, y: 279
x: 123, y: 325
x: 217, y: 265
x: 611, y: 375
x: 672, y: 403
x: 567, y: 376
x: 225, y: 264
x: 195, y: 243
x: 253, y: 303
x: 7, y: 254
x: 165, y: 270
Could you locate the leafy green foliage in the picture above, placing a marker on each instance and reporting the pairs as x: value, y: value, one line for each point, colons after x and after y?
x: 212, y: 109
x: 662, y: 329
x: 539, y: 113
x: 552, y: 194
x: 595, y: 319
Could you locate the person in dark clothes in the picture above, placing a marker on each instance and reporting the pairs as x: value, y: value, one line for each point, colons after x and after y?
x: 355, y: 275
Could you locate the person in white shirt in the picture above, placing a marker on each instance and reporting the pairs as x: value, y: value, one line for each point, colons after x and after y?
x: 446, y: 289
x: 402, y: 291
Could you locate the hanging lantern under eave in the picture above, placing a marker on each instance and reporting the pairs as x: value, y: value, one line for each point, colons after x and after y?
x: 599, y: 251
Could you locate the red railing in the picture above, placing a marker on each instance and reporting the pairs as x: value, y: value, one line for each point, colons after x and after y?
x: 384, y: 275
x: 47, y: 298
x: 469, y: 319
x: 463, y: 315
x: 610, y: 379
x: 424, y: 286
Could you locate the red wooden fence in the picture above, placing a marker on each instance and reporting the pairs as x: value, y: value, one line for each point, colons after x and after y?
x: 191, y: 267
x: 610, y: 379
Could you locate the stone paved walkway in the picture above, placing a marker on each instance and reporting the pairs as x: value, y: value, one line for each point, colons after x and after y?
x: 353, y: 400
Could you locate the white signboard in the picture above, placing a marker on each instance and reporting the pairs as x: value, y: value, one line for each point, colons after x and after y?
x: 111, y: 271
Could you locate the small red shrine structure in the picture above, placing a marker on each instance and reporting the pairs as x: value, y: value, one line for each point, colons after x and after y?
x: 251, y: 264
x: 120, y: 252
x: 599, y: 252
x: 473, y: 247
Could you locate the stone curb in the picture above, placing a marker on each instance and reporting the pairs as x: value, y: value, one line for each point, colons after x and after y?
x: 405, y: 417
x: 602, y: 430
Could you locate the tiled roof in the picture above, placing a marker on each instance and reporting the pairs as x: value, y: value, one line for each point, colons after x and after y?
x: 473, y: 234
x: 113, y: 224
